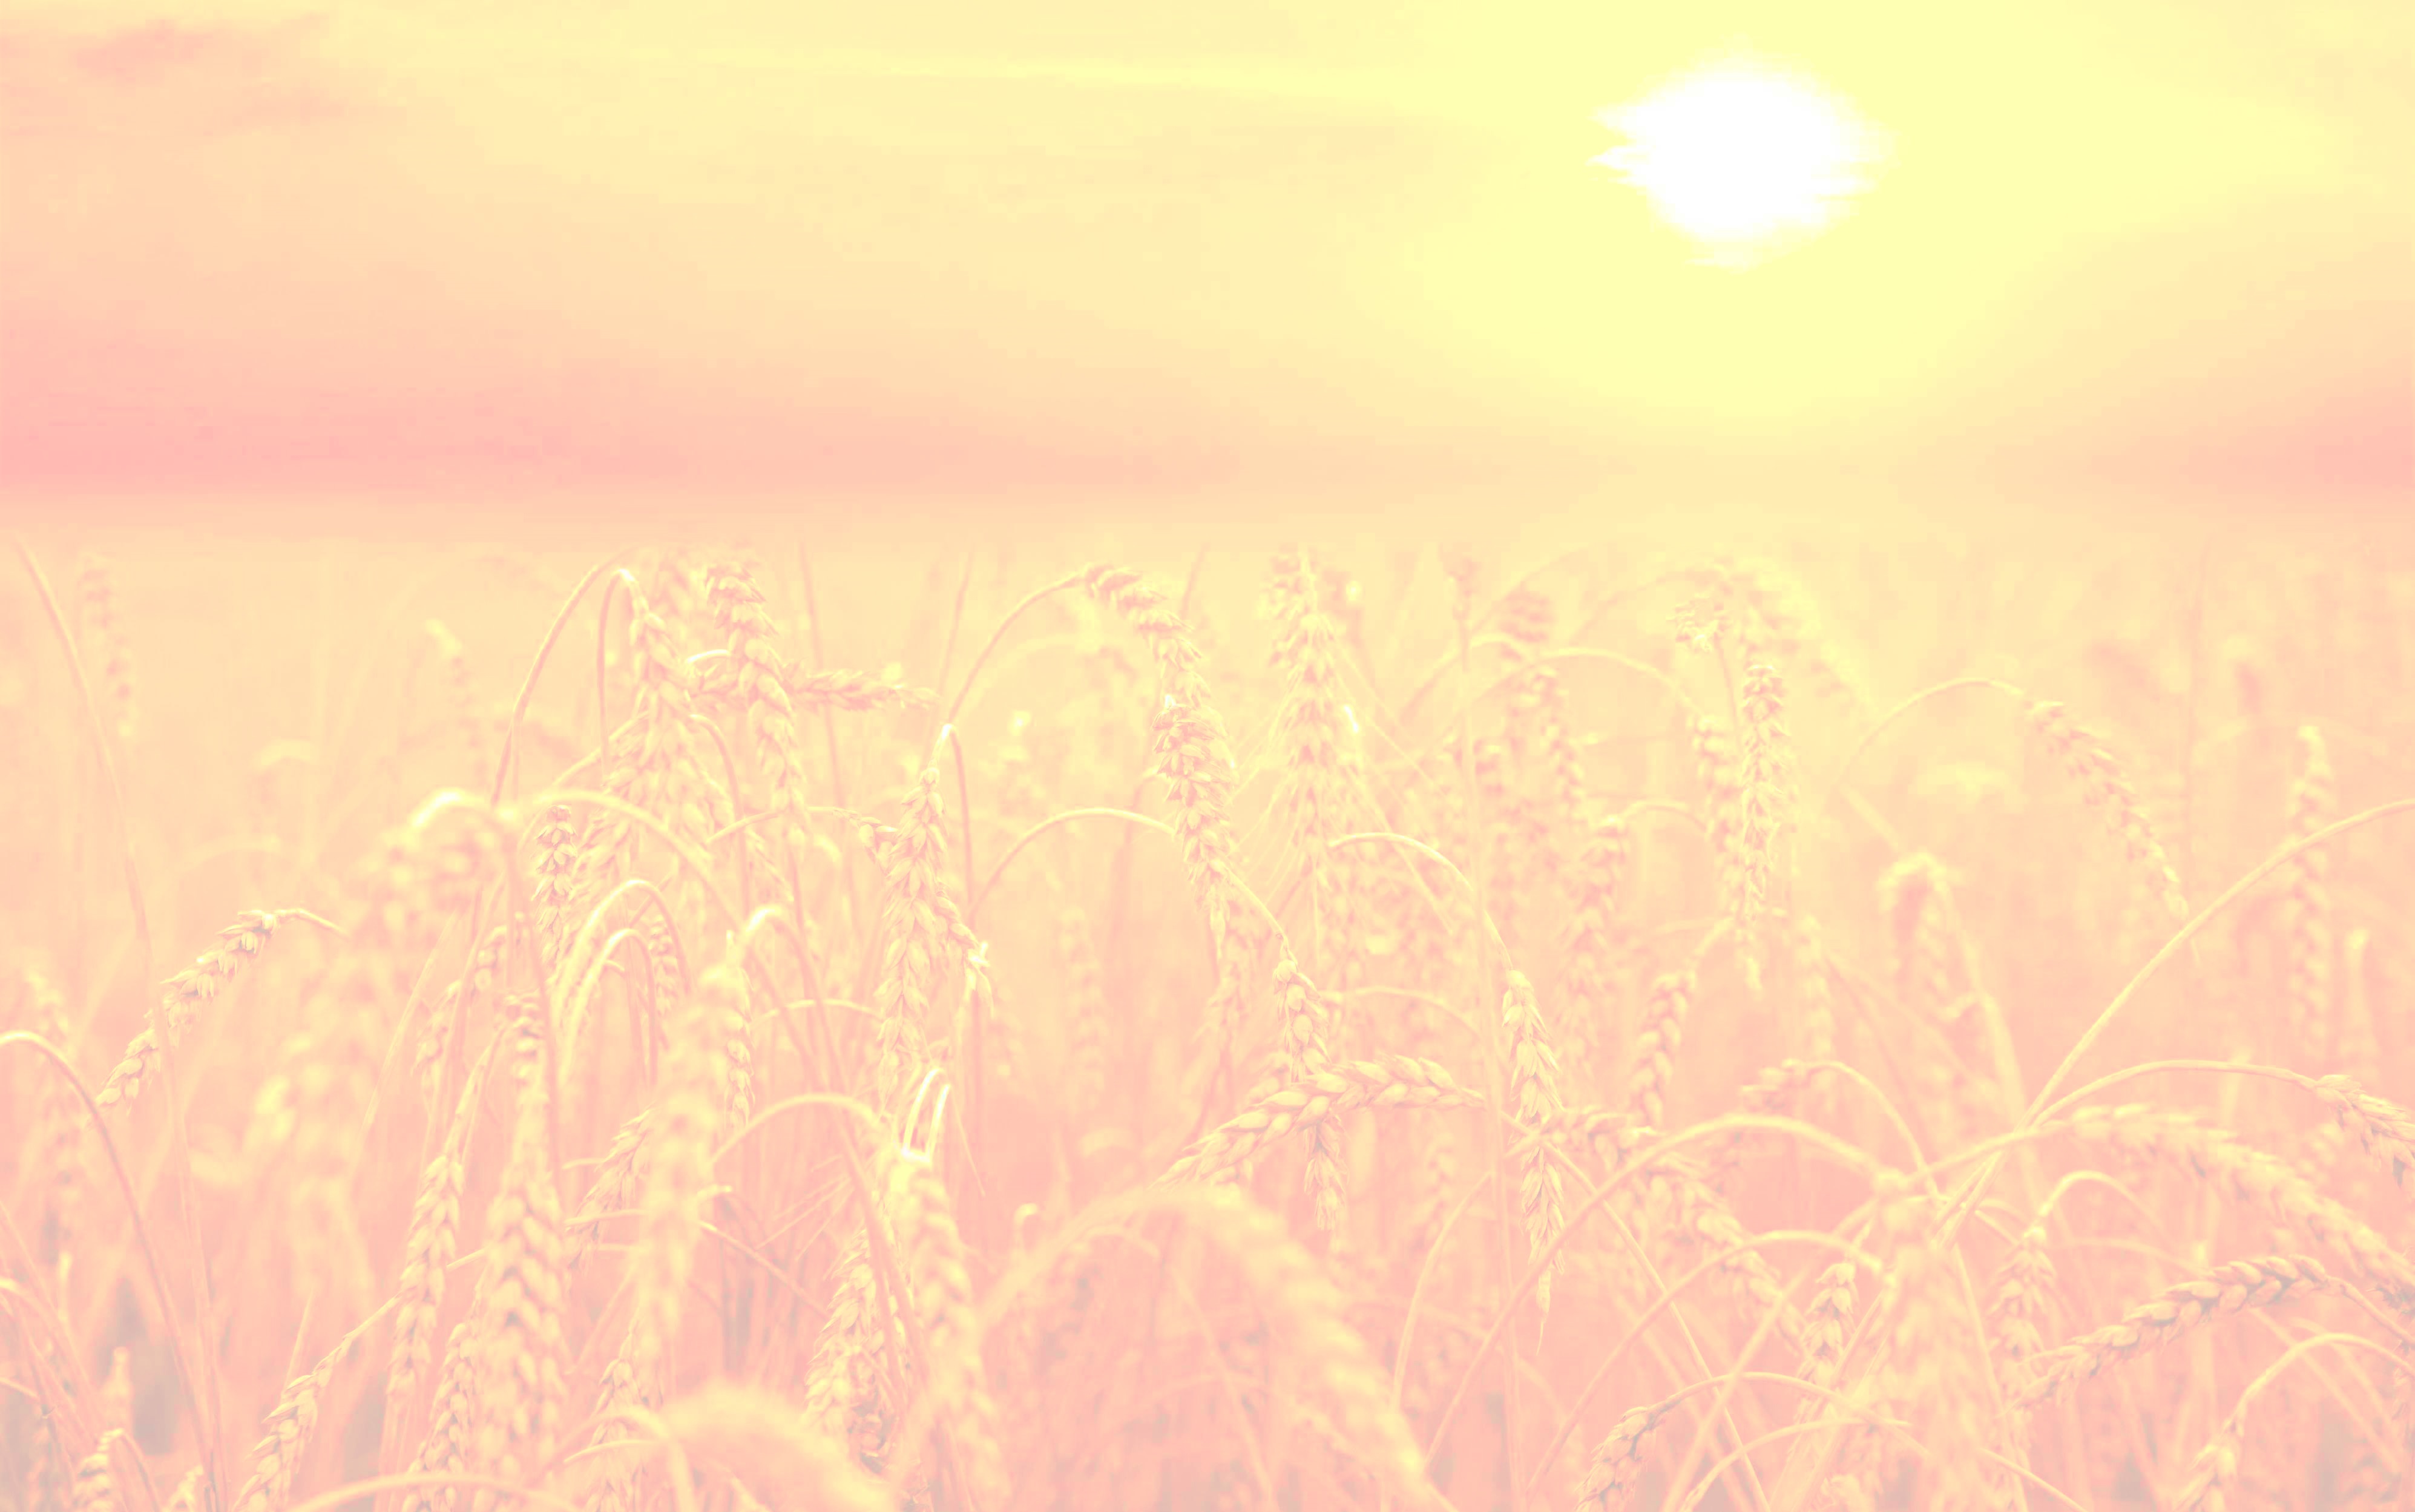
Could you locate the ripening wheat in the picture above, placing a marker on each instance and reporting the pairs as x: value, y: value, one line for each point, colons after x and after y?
x: 712, y: 1027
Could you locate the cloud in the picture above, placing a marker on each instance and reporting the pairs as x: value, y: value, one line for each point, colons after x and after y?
x: 156, y: 49
x: 163, y: 79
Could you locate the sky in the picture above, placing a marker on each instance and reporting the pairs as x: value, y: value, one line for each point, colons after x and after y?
x: 716, y: 247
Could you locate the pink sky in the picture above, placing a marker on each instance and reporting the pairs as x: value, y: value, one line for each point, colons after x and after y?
x: 410, y: 247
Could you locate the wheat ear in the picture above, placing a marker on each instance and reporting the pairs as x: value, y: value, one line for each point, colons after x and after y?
x: 2235, y: 1287
x: 188, y: 992
x: 773, y: 1449
x: 1391, y: 1082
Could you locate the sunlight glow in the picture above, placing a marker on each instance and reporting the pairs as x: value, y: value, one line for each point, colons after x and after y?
x: 1746, y: 158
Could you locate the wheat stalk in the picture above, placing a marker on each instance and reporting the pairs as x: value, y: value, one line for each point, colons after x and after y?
x: 912, y: 929
x: 1535, y: 1094
x: 679, y: 1163
x: 1826, y: 1322
x: 1391, y: 1082
x: 96, y: 1477
x: 285, y: 1437
x: 188, y: 992
x: 1086, y: 998
x: 1655, y: 1045
x: 188, y: 1494
x: 620, y: 1176
x: 2108, y: 791
x: 755, y: 676
x: 1188, y: 738
x: 770, y: 1447
x: 1617, y: 1462
x: 1305, y: 1313
x: 2235, y: 1287
x: 57, y: 1154
x: 2017, y: 1297
x: 1765, y: 815
x: 1318, y: 796
x: 852, y: 693
x: 2306, y: 906
x: 1307, y: 1019
x: 105, y: 632
x: 1700, y: 1222
x: 427, y: 1250
x: 2383, y: 1128
x: 519, y: 1385
x: 2255, y: 1177
x: 934, y: 1263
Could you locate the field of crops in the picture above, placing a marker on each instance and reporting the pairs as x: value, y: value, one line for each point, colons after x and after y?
x: 1835, y: 1023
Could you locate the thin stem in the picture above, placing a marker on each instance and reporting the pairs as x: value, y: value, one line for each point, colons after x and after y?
x: 134, y: 1208
x: 101, y: 743
x: 972, y: 673
x: 2193, y: 928
x: 973, y: 910
x: 528, y: 685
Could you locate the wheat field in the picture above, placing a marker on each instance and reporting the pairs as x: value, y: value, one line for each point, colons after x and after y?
x: 707, y: 1026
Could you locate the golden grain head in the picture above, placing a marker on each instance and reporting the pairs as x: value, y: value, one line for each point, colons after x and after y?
x: 746, y: 1027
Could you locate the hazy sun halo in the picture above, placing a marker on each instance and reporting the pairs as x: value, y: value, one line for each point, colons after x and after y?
x: 1743, y: 158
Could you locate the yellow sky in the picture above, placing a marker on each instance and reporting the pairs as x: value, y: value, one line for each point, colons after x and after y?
x: 768, y: 246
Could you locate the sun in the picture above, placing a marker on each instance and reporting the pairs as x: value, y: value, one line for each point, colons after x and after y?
x: 1747, y: 159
